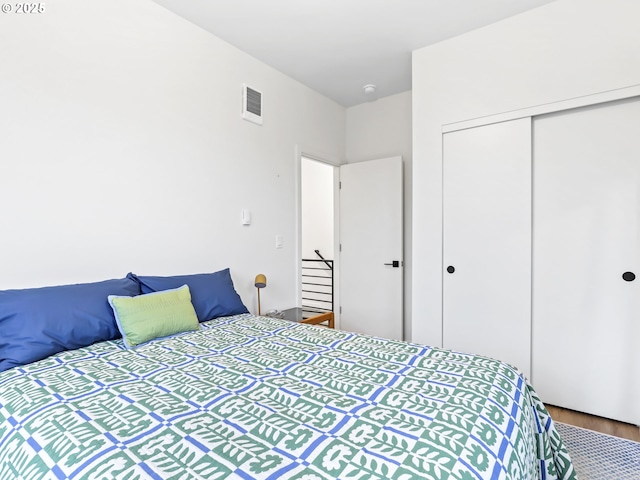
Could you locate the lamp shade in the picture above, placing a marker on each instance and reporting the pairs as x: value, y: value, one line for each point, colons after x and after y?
x: 261, y: 281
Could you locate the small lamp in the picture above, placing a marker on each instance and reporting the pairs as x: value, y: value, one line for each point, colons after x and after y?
x: 261, y: 282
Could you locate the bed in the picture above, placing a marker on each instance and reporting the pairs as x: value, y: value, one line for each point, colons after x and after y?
x: 252, y: 397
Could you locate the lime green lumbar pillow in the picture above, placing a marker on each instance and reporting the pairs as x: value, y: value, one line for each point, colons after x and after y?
x: 154, y: 315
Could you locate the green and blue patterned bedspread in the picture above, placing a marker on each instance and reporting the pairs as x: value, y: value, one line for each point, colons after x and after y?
x: 252, y: 397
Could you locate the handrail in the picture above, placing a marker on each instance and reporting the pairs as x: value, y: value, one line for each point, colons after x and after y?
x: 328, y: 265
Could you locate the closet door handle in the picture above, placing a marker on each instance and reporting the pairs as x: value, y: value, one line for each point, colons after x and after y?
x: 628, y: 276
x: 451, y: 269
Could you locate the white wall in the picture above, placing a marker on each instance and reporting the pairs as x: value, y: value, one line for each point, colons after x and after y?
x: 122, y: 149
x: 566, y: 49
x: 382, y: 129
x: 317, y: 209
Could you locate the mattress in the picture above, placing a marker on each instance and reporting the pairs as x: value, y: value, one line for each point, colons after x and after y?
x: 253, y: 397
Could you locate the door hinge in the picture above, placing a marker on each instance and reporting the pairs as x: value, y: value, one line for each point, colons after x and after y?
x: 339, y: 185
x: 340, y: 309
x: 340, y: 247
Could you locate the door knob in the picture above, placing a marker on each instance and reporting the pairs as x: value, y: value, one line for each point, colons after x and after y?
x: 394, y: 263
x: 450, y: 269
x: 628, y: 276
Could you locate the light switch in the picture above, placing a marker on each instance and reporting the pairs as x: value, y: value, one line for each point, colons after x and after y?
x: 278, y: 241
x: 246, y: 217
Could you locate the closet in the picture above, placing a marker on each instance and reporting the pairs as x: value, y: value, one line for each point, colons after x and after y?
x: 576, y: 331
x: 487, y: 241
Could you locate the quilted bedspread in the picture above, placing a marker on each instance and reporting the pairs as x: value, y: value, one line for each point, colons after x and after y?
x: 253, y: 397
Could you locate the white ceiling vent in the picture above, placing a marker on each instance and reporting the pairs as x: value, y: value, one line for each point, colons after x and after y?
x: 251, y: 104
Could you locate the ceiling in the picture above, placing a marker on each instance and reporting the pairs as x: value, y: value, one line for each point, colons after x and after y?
x: 337, y: 46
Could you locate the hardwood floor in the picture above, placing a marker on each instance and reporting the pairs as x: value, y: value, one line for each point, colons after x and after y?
x: 598, y: 424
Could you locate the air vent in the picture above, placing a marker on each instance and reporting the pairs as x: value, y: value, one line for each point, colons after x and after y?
x: 251, y: 104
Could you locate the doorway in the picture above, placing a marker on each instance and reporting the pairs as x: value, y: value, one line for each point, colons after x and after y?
x: 360, y: 204
x: 318, y: 236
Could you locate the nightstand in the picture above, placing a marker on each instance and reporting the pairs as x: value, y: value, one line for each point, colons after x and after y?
x: 300, y: 315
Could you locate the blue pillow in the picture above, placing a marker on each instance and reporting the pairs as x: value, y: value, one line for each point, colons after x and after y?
x: 212, y: 294
x: 38, y: 322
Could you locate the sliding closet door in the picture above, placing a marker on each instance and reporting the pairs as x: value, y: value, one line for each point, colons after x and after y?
x: 586, y: 316
x: 487, y: 241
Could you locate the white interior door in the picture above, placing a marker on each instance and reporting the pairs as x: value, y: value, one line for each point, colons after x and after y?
x: 487, y: 241
x: 371, y: 233
x: 586, y: 317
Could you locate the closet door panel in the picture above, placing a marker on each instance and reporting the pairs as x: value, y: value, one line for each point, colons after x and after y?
x: 487, y: 240
x: 586, y: 321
